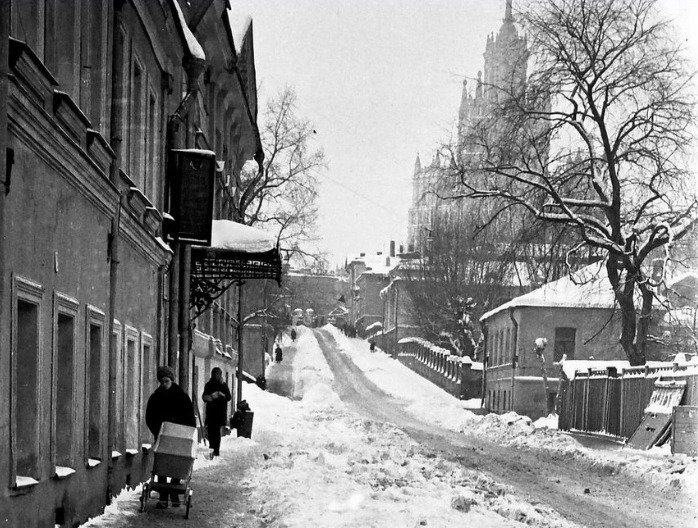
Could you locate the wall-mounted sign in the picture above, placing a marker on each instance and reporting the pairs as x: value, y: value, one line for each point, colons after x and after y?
x: 192, y: 179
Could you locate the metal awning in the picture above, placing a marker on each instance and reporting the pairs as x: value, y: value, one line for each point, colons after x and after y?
x: 237, y: 252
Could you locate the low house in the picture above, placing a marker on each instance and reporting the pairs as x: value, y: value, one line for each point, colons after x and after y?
x: 575, y: 315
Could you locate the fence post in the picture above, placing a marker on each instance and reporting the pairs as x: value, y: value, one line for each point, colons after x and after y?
x: 611, y: 372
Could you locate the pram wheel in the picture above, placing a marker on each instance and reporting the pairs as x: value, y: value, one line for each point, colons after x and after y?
x: 188, y: 504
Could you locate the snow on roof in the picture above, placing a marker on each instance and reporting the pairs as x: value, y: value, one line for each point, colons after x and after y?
x: 239, y: 27
x: 375, y: 326
x: 339, y: 310
x: 192, y: 44
x: 200, y: 152
x: 226, y: 234
x: 587, y: 288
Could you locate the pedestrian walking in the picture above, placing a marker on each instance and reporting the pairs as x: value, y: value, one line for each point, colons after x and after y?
x: 216, y: 395
x: 278, y: 354
x: 373, y: 346
x: 293, y: 334
x: 169, y: 403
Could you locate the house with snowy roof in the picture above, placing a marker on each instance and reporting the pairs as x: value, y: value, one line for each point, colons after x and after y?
x: 368, y: 275
x: 576, y: 317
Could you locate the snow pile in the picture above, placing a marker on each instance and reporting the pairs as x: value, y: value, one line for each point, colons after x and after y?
x: 511, y: 429
x: 310, y: 367
x: 355, y: 472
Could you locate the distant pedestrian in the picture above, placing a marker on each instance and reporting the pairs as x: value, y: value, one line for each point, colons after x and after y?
x: 373, y: 346
x: 293, y: 334
x: 278, y: 354
x: 169, y: 403
x: 216, y: 395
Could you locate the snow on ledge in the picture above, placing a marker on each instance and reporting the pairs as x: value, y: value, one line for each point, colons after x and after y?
x: 226, y: 234
x: 93, y: 462
x: 25, y: 482
x: 115, y: 454
x: 194, y: 47
x: 63, y: 472
x: 131, y: 452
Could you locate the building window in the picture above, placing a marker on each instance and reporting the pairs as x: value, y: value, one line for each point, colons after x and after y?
x: 138, y: 138
x: 564, y: 342
x: 131, y: 389
x: 115, y: 344
x: 94, y: 382
x: 64, y: 339
x: 25, y: 375
x: 147, y: 370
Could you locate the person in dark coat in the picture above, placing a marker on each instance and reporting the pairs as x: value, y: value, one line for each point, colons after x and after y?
x: 169, y: 403
x: 216, y: 395
x: 278, y: 354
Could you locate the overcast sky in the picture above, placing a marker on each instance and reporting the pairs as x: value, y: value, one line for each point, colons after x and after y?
x: 381, y: 81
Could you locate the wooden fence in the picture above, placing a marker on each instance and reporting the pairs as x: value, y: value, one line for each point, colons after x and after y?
x: 603, y: 401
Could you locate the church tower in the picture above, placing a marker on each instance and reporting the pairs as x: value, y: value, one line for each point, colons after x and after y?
x: 504, y: 73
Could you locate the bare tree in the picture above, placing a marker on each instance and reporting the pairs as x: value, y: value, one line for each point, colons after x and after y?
x: 598, y: 141
x: 282, y: 194
x: 459, y: 276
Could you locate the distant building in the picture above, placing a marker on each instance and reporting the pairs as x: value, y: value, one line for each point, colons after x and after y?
x: 368, y: 274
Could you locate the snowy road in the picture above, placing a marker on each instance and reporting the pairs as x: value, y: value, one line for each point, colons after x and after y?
x: 326, y: 453
x: 581, y: 490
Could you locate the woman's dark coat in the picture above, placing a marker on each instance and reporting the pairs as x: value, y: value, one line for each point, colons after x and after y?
x: 217, y: 409
x: 169, y: 405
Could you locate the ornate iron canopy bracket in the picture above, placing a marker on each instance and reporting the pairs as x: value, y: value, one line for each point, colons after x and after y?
x: 213, y: 271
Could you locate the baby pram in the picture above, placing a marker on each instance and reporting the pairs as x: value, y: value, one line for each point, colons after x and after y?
x: 174, y: 453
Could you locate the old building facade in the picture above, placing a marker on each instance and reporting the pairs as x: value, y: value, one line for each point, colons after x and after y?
x: 93, y: 97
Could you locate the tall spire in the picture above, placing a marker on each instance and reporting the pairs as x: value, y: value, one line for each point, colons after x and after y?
x: 508, y: 17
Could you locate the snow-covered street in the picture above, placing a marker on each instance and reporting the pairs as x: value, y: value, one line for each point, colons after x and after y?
x: 312, y: 461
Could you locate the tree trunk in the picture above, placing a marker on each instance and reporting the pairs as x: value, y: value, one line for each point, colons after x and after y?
x: 624, y: 291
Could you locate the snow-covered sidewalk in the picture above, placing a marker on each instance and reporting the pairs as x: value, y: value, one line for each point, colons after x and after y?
x: 312, y: 462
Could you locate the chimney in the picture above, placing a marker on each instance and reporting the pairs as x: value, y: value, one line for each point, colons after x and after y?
x: 402, y: 249
x: 392, y: 248
x: 387, y: 262
x: 362, y: 254
x: 379, y: 253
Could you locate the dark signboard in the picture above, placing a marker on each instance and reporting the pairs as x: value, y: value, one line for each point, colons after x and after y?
x: 192, y: 177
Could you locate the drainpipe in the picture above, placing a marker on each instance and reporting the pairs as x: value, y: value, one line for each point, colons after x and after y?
x: 115, y: 141
x: 240, y: 354
x: 180, y: 320
x: 515, y: 356
x: 397, y: 317
x: 5, y: 168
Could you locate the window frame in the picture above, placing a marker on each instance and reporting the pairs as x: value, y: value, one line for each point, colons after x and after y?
x: 30, y: 292
x: 63, y: 304
x: 145, y: 382
x: 131, y: 335
x: 573, y: 341
x: 95, y: 317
